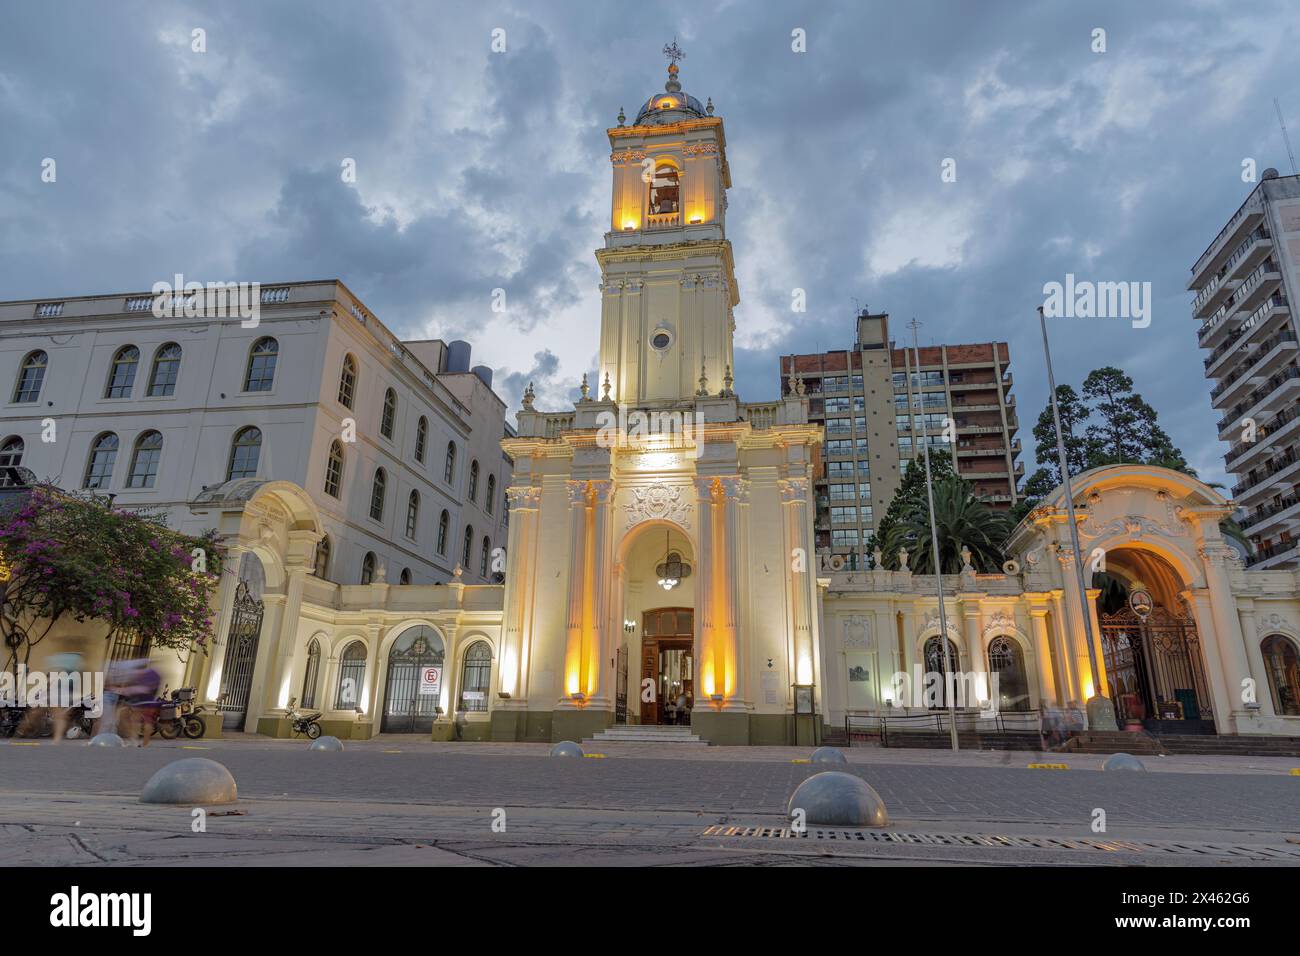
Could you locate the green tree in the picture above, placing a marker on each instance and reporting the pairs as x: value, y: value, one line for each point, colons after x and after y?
x: 909, y: 495
x: 72, y: 555
x: 961, y: 521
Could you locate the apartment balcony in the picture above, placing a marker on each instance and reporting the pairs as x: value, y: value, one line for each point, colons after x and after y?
x: 1015, y: 446
x: 1268, y: 357
x: 999, y: 450
x: 1282, y: 429
x: 1280, y: 391
x: 999, y: 499
x: 1267, y: 520
x: 1250, y: 254
x: 1268, y: 317
x: 1248, y: 217
x: 1215, y: 294
x: 1280, y: 472
x: 1233, y: 314
x: 972, y: 407
x: 1277, y: 555
x: 972, y: 475
x: 966, y: 386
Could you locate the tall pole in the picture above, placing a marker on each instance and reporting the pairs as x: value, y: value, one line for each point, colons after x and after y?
x: 949, y: 692
x: 1074, y: 528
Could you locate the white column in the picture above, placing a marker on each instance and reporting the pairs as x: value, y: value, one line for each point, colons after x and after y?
x: 1255, y: 655
x: 217, y: 651
x: 1047, y: 689
x: 709, y: 667
x: 599, y: 648
x: 521, y: 577
x: 731, y: 568
x: 1227, y: 630
x: 573, y: 662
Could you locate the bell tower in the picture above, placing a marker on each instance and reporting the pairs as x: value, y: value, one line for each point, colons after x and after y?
x: 667, y: 277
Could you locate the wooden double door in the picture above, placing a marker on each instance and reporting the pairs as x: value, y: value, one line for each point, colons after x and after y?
x: 668, y: 661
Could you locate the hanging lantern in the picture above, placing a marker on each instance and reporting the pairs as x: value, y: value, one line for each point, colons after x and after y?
x: 672, y: 569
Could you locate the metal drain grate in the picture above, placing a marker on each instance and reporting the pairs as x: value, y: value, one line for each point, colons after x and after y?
x: 901, y: 838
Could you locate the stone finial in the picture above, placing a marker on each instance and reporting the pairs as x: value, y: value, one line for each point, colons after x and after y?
x: 704, y: 382
x: 457, y: 572
x: 878, y: 560
x: 586, y: 389
x: 529, y: 395
x: 708, y: 107
x: 902, y: 559
x: 622, y: 117
x: 727, y: 382
x: 381, y: 573
x: 793, y: 384
x: 965, y: 559
x: 605, y: 389
x: 800, y: 387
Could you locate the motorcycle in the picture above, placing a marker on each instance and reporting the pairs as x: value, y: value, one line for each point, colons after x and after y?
x: 178, y: 715
x: 304, y: 723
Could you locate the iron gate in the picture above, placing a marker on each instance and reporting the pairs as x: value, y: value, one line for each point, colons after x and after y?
x: 1155, y: 667
x: 406, y: 710
x: 241, y: 657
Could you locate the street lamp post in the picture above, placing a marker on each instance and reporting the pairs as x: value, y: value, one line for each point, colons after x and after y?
x: 950, y: 692
x: 1100, y: 710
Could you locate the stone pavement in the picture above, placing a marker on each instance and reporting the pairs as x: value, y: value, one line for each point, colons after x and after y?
x: 403, y: 801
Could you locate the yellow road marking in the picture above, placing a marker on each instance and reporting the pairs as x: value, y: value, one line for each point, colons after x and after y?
x: 1049, y: 766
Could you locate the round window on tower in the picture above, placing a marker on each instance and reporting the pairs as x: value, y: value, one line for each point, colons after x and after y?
x: 661, y: 339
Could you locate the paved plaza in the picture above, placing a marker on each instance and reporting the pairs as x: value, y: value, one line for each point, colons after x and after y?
x: 404, y: 801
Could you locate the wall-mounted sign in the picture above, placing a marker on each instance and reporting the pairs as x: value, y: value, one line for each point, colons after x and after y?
x: 1140, y: 600
x: 430, y: 681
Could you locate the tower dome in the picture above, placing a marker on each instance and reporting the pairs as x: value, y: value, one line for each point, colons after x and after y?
x: 672, y: 105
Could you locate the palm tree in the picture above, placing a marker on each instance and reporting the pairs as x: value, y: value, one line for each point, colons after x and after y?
x: 962, y: 520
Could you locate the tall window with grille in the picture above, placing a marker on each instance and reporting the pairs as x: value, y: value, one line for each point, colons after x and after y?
x: 388, y: 419
x: 245, y: 451
x: 449, y: 469
x: 121, y: 374
x: 468, y: 546
x: 489, y: 501
x: 144, y: 462
x: 352, y: 677
x: 476, y: 677
x: 260, y: 376
x: 412, y: 514
x: 334, y: 470
x: 166, y: 371
x: 311, y: 677
x: 473, y: 480
x: 31, y: 375
x: 421, y: 438
x: 11, y: 456
x: 444, y: 522
x: 99, y: 466
x: 377, y: 489
x: 368, y: 568
x: 483, y: 559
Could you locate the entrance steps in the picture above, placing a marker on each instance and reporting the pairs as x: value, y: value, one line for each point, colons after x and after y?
x: 647, y: 733
x: 1245, y: 745
x: 1112, y: 742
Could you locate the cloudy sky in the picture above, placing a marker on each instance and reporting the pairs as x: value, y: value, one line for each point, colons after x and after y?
x: 479, y: 170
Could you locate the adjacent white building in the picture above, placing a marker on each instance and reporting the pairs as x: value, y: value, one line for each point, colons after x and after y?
x: 397, y: 443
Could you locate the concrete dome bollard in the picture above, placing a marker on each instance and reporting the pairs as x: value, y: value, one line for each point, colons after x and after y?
x: 836, y: 799
x: 828, y: 755
x: 193, y: 781
x: 107, y: 740
x: 327, y: 744
x: 566, y: 748
x: 1123, y: 762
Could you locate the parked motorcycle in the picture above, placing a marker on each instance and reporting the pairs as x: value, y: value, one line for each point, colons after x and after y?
x: 178, y: 715
x: 304, y: 723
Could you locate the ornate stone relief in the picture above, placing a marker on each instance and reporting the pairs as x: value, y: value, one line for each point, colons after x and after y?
x: 658, y: 502
x: 857, y: 633
x: 1274, y: 623
x: 626, y: 155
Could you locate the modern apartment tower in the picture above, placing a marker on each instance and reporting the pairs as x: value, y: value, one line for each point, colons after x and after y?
x: 1244, y: 284
x: 879, y: 407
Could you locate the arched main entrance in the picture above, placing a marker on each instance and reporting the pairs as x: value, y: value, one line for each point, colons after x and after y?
x: 659, y: 647
x: 242, y: 639
x: 411, y: 699
x: 1007, y: 661
x: 1155, y: 666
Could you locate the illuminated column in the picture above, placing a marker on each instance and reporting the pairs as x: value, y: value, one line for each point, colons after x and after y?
x: 907, y: 620
x: 287, y: 638
x: 1255, y: 656
x: 1085, y: 682
x: 1227, y: 627
x: 573, y: 658
x: 709, y: 666
x: 598, y: 579
x: 972, y: 621
x: 217, y: 650
x: 794, y: 497
x: 1066, y: 675
x: 730, y: 569
x: 1221, y: 692
x: 1043, y: 651
x: 1093, y: 595
x: 521, y: 572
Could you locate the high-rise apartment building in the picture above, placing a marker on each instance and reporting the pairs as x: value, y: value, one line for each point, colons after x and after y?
x: 879, y: 407
x: 1244, y: 284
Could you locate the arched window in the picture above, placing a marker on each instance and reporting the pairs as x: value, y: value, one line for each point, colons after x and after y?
x: 244, y: 453
x: 405, y: 577
x: 665, y: 190
x: 121, y: 375
x: 389, y: 417
x: 322, y: 563
x: 490, y: 501
x: 377, y: 489
x: 348, y: 381
x: 166, y: 370
x: 11, y: 456
x: 475, y: 677
x: 449, y: 471
x: 469, y: 545
x: 311, y: 676
x: 412, y: 514
x: 334, y: 470
x: 483, y: 558
x: 421, y: 438
x: 352, y: 677
x: 473, y: 480
x: 368, y: 568
x: 444, y: 520
x: 144, y: 462
x: 934, y: 664
x: 31, y: 375
x: 99, y: 466
x: 1008, y: 662
x: 261, y: 365
x: 1282, y: 664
